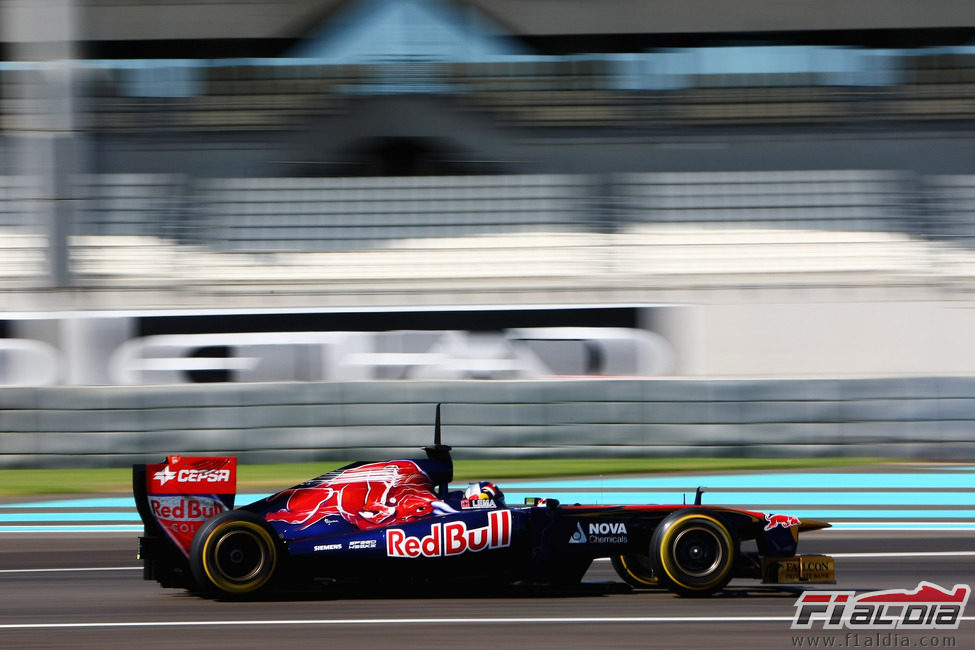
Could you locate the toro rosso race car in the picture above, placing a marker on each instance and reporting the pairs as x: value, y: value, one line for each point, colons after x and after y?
x: 397, y: 522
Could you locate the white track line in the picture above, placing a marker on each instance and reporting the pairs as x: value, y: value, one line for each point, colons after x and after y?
x: 377, y: 622
x: 410, y: 621
x: 64, y: 569
x: 600, y: 559
x: 908, y: 554
x: 891, y: 554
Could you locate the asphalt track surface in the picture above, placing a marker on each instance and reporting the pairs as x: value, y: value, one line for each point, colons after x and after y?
x: 62, y: 589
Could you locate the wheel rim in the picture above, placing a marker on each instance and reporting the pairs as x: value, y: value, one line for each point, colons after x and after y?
x: 698, y: 551
x: 240, y: 556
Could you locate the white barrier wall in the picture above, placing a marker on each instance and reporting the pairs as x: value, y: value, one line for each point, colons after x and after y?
x: 931, y: 418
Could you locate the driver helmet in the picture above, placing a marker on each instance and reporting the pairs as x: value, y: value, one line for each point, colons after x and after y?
x: 484, y: 491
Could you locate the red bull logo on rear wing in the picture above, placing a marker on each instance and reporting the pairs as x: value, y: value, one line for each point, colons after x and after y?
x: 185, y: 491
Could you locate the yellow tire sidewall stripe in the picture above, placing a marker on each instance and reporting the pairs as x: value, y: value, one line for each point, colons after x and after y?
x: 262, y: 535
x: 638, y: 578
x: 664, y: 555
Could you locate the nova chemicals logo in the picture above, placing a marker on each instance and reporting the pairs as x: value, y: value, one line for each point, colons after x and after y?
x: 927, y: 607
x: 164, y: 475
x: 578, y: 537
x: 604, y: 532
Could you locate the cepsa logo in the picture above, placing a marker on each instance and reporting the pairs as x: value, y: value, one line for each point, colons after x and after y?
x: 192, y: 475
x: 452, y: 538
x: 927, y: 607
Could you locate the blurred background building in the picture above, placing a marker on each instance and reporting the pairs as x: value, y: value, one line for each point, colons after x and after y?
x: 756, y: 189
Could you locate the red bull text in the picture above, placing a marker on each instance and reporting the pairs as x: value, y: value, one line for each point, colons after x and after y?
x: 452, y: 538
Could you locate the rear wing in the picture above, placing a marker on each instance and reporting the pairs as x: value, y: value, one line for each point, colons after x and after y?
x: 174, y: 498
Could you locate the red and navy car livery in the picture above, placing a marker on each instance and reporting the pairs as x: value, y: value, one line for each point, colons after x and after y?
x: 375, y: 522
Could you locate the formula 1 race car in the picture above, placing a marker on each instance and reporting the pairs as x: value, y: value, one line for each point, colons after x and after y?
x: 397, y: 522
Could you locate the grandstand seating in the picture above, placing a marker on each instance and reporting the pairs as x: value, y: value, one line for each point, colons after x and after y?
x: 300, y: 214
x: 146, y: 229
x: 22, y: 258
x: 537, y: 230
x: 678, y: 88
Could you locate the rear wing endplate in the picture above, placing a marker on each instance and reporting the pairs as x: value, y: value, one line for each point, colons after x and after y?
x: 174, y: 498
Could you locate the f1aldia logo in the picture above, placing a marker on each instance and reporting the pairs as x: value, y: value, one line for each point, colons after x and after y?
x: 927, y: 607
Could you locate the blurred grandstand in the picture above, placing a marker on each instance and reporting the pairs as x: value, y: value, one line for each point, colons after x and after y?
x: 807, y: 186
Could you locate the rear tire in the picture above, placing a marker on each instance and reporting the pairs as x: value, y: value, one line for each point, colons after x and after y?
x: 234, y: 554
x: 693, y: 553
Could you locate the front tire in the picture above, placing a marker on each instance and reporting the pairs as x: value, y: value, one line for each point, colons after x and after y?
x: 234, y: 554
x: 636, y: 570
x: 693, y: 553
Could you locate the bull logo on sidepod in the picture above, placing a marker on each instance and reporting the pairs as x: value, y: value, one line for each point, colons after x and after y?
x: 368, y: 496
x: 786, y: 521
